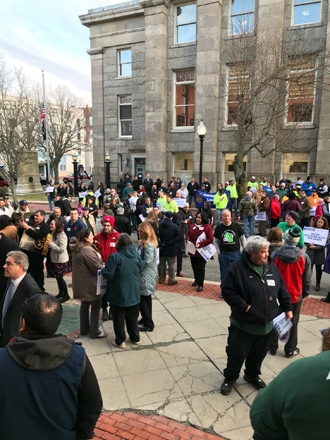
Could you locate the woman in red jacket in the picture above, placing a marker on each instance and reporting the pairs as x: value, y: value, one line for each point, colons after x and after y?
x: 197, y: 261
x: 275, y: 211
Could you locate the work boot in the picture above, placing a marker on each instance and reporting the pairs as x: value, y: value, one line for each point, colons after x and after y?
x: 227, y: 386
x: 326, y: 299
x: 317, y: 287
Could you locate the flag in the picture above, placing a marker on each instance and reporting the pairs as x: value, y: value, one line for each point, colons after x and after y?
x: 42, y: 121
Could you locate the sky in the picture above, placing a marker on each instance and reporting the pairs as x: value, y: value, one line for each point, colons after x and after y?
x: 48, y: 35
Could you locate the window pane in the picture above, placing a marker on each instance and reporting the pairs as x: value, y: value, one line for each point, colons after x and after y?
x: 186, y: 14
x: 240, y: 6
x: 126, y: 56
x: 186, y: 33
x: 125, y: 69
x: 126, y: 128
x: 185, y: 94
x: 307, y: 13
x: 125, y: 112
x: 242, y: 23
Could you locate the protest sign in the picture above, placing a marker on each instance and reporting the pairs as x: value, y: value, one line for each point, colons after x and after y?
x: 36, y: 246
x: 82, y: 194
x: 201, y: 197
x: 317, y: 236
x: 102, y: 284
x: 180, y: 202
x: 261, y: 216
x: 97, y: 194
x: 49, y: 189
x: 282, y: 327
x: 207, y: 251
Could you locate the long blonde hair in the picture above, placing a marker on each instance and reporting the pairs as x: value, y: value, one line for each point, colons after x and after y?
x: 152, y: 217
x: 149, y: 231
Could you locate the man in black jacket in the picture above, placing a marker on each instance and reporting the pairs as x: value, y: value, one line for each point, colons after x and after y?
x: 169, y: 235
x: 38, y: 230
x: 192, y: 188
x: 252, y: 287
x: 122, y: 224
x: 20, y: 285
x: 38, y: 364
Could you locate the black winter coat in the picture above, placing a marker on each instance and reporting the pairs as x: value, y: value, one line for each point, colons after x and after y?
x: 243, y: 287
x: 169, y: 235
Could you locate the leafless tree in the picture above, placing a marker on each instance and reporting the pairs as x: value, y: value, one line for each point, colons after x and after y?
x: 270, y: 91
x: 18, y: 123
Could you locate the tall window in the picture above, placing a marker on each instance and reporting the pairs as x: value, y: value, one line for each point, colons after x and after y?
x: 301, y: 89
x: 125, y: 62
x: 91, y: 120
x: 184, y: 98
x: 242, y: 16
x: 125, y: 115
x: 238, y: 90
x: 306, y: 11
x: 186, y: 23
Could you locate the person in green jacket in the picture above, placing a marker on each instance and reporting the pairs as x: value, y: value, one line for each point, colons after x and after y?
x: 127, y: 190
x: 220, y: 201
x: 170, y: 204
x: 290, y: 221
x: 123, y: 269
x: 162, y: 198
x: 233, y: 196
x: 253, y: 183
x: 295, y: 405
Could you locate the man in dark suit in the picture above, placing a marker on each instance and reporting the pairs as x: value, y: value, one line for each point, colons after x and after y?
x: 38, y: 230
x: 6, y: 245
x: 20, y: 286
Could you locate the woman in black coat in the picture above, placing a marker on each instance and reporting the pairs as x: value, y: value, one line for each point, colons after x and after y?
x: 177, y: 220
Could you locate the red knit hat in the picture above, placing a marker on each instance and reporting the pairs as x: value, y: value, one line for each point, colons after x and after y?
x: 109, y: 219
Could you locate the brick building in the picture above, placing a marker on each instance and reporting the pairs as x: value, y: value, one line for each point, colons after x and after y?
x: 159, y: 67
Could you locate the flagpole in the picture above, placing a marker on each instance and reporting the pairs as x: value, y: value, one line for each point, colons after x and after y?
x: 46, y: 132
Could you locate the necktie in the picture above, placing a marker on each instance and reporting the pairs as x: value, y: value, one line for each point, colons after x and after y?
x: 7, y: 301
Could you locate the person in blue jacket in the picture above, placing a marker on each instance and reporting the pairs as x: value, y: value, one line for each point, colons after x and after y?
x: 308, y: 186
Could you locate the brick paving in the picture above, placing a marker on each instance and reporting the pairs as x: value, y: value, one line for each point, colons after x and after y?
x: 136, y: 426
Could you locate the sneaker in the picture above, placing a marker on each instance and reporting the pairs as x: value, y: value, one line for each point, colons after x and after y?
x: 272, y: 351
x: 317, y: 287
x: 290, y: 354
x: 227, y: 386
x: 255, y: 381
x: 135, y: 342
x: 122, y: 345
x: 181, y: 275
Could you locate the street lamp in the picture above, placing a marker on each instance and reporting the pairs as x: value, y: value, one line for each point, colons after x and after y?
x: 47, y: 175
x: 107, y: 169
x: 75, y: 173
x: 201, y: 130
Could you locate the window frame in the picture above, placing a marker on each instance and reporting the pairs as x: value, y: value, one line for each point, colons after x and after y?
x: 120, y: 135
x: 237, y: 15
x: 185, y: 127
x: 176, y: 25
x: 287, y: 98
x: 119, y: 64
x: 305, y: 3
x: 228, y: 66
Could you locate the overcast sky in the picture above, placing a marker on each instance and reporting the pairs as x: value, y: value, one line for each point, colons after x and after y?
x: 48, y: 35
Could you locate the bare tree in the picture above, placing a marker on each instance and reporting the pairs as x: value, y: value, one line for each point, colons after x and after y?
x: 270, y: 91
x: 18, y: 123
x: 64, y: 121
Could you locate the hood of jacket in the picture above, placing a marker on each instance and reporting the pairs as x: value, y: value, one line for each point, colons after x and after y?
x: 40, y: 353
x: 128, y: 251
x: 247, y: 198
x: 288, y: 254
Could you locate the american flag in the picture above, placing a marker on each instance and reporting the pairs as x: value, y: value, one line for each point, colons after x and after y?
x: 42, y: 121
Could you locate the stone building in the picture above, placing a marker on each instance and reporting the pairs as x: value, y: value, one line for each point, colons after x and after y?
x: 159, y: 67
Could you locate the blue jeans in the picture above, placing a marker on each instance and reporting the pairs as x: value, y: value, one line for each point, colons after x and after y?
x: 50, y: 201
x: 219, y: 212
x: 248, y: 220
x: 233, y: 204
x: 225, y: 260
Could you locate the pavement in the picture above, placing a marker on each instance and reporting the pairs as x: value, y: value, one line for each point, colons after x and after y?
x: 176, y: 372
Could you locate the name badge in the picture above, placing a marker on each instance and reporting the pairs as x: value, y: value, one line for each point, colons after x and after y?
x: 112, y: 244
x: 271, y: 282
x: 201, y: 229
x: 302, y: 203
x: 37, y: 227
x: 68, y: 229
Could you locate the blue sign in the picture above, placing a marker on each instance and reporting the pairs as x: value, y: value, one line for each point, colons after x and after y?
x: 202, y: 197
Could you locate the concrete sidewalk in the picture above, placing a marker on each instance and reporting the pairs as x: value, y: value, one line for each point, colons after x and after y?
x: 176, y: 372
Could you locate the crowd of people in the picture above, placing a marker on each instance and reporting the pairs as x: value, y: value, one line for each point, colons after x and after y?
x: 259, y: 277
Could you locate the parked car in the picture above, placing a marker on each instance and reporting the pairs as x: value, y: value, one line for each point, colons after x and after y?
x: 3, y: 182
x: 83, y: 176
x: 68, y: 178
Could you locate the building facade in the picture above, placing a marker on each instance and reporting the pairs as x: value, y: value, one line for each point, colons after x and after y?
x: 160, y: 66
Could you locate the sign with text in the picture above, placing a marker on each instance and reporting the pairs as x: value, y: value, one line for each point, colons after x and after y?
x: 317, y: 236
x: 36, y: 246
x: 180, y: 202
x: 201, y: 197
x: 261, y: 216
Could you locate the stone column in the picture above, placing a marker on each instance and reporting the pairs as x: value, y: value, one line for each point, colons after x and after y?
x: 209, y: 15
x: 98, y: 113
x: 28, y: 177
x: 156, y: 18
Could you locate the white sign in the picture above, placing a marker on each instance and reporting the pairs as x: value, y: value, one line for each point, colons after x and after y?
x: 180, y: 202
x: 159, y: 205
x: 206, y: 252
x: 282, y: 327
x: 102, y: 284
x: 190, y: 247
x: 317, y: 236
x: 312, y: 211
x: 82, y: 194
x: 49, y: 189
x: 261, y: 216
x: 142, y: 218
x: 97, y: 194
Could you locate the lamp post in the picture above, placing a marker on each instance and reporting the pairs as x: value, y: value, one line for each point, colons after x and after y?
x: 75, y: 174
x: 107, y: 169
x: 47, y: 174
x: 201, y: 130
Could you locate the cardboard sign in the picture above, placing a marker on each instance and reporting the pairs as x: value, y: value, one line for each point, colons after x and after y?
x: 317, y: 236
x: 261, y: 216
x: 180, y: 202
x: 36, y: 246
x: 49, y: 189
x: 102, y: 284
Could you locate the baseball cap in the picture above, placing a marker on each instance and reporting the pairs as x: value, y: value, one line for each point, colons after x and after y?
x: 5, y: 197
x: 23, y: 202
x: 85, y: 208
x: 292, y: 236
x: 168, y: 214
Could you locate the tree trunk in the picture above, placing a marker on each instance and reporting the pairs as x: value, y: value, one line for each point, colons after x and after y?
x: 240, y: 176
x: 56, y: 165
x: 12, y: 186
